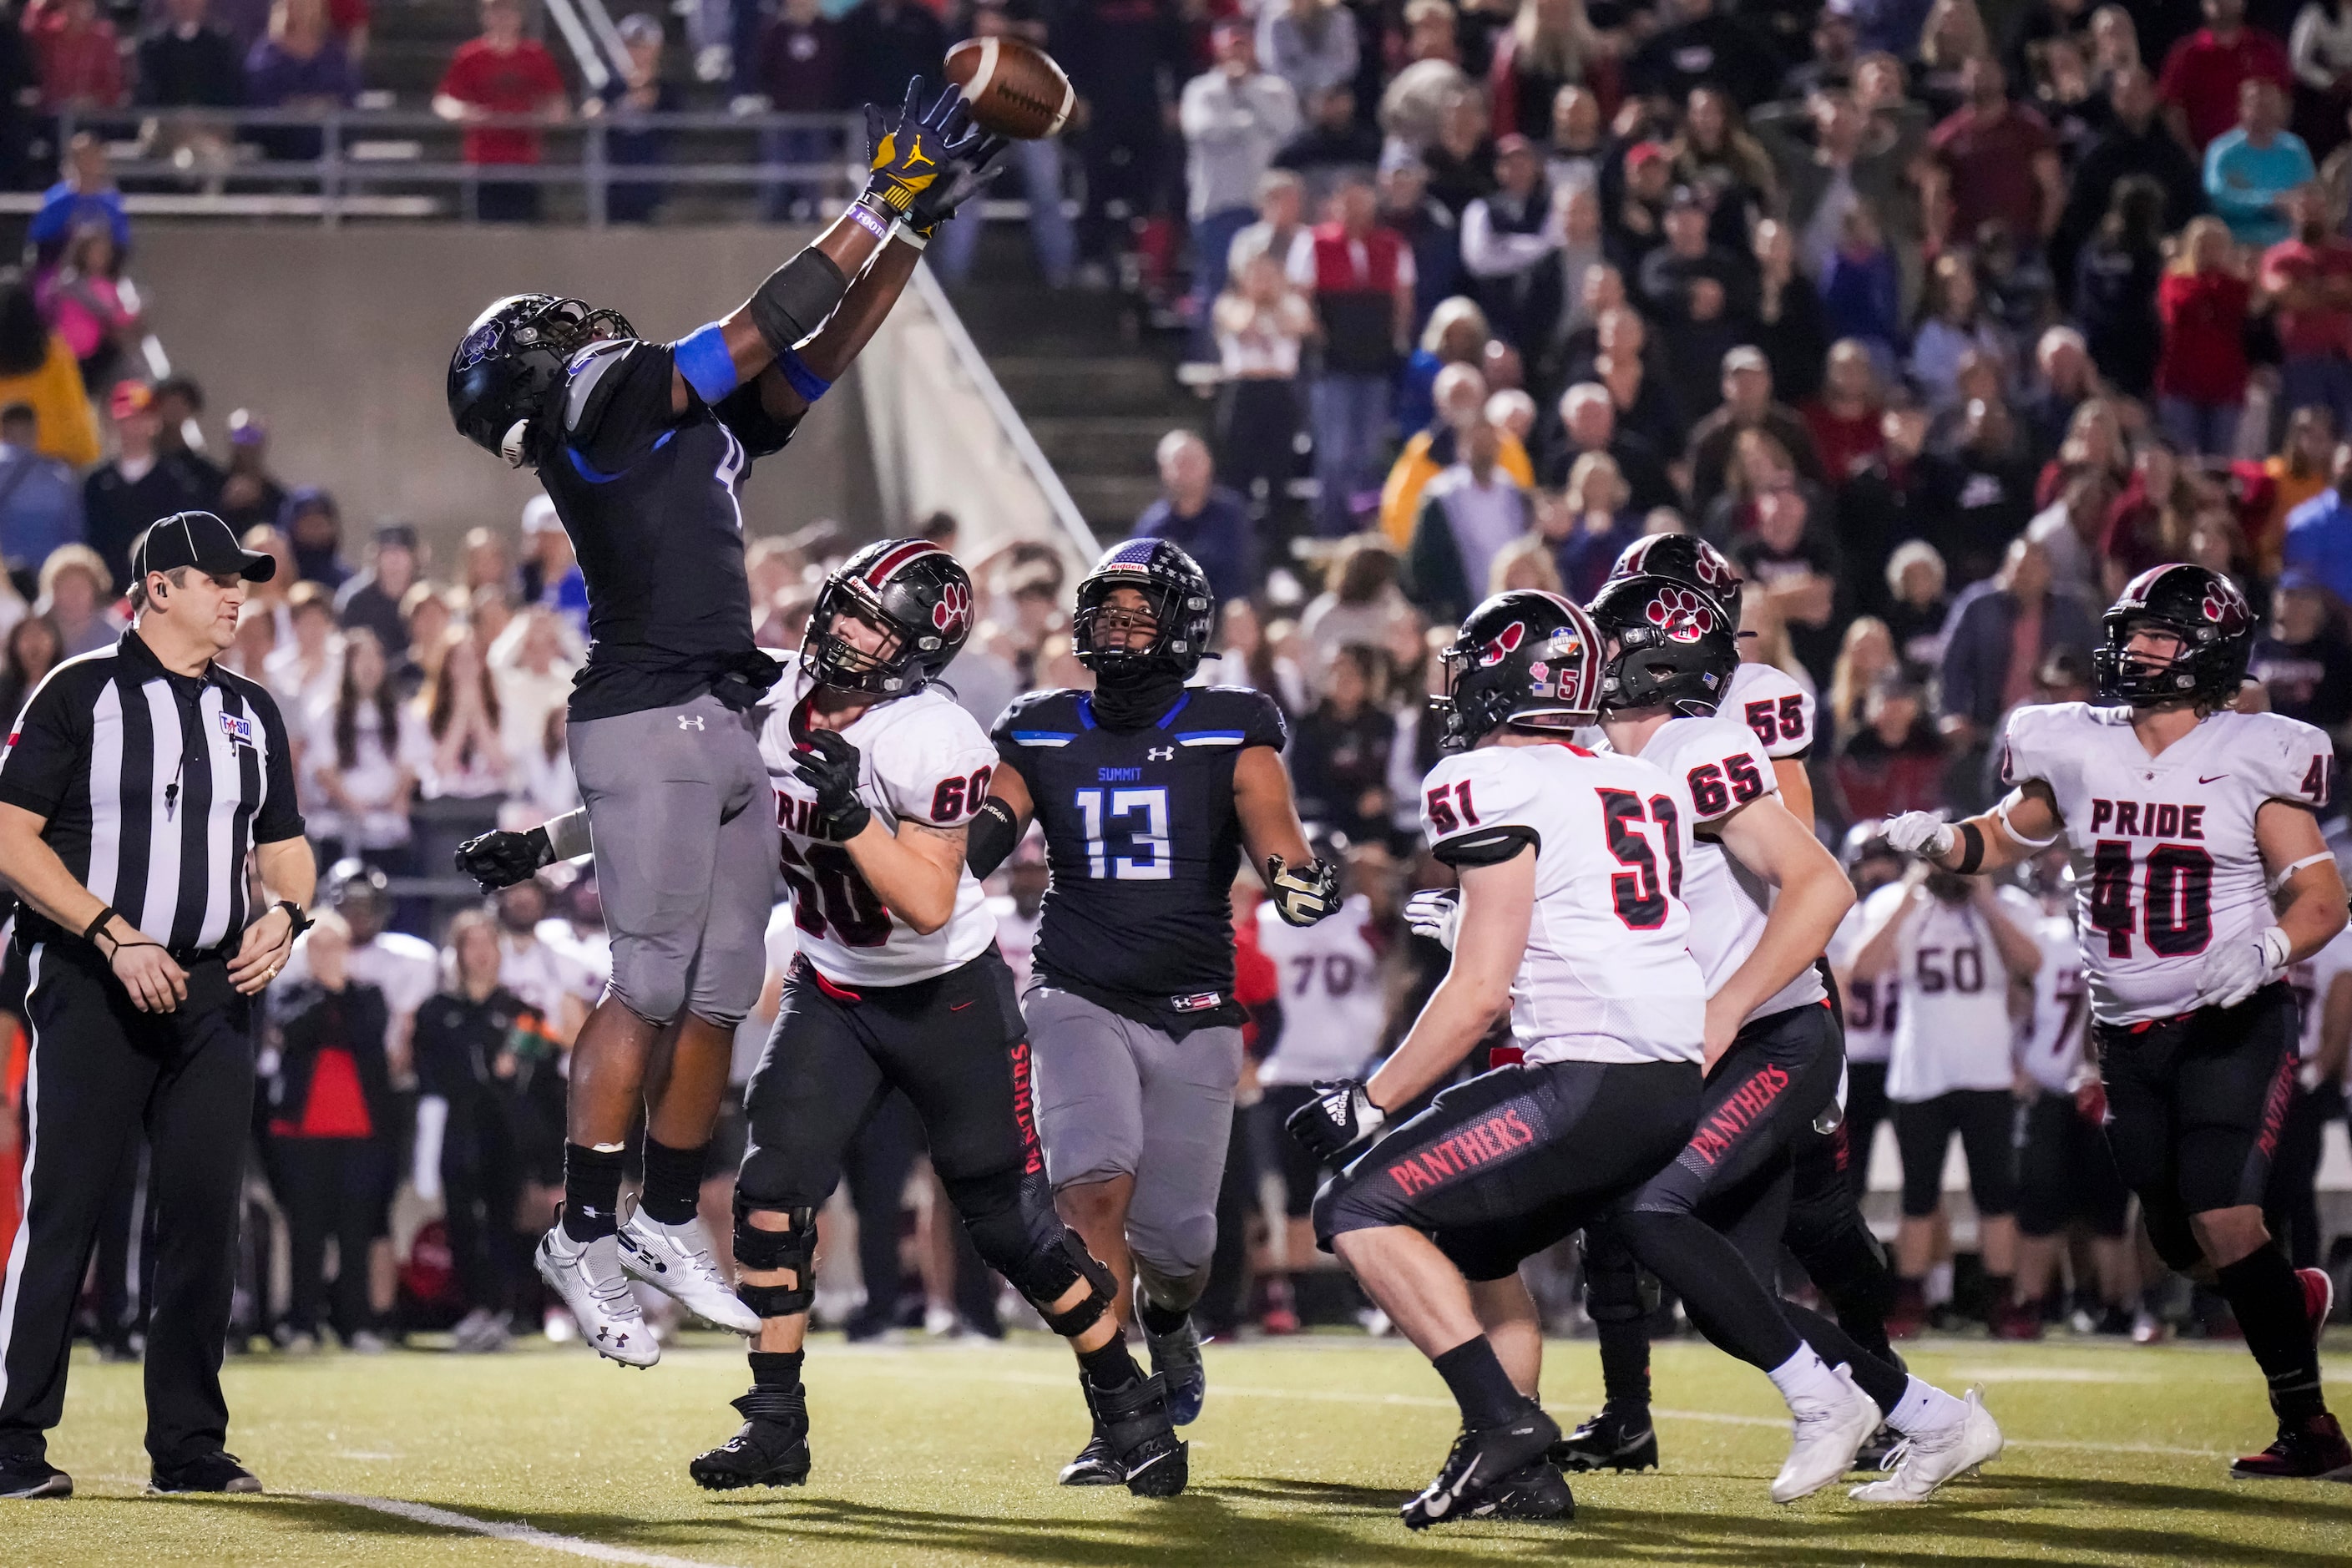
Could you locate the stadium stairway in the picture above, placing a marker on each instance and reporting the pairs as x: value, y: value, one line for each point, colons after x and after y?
x: 1095, y: 391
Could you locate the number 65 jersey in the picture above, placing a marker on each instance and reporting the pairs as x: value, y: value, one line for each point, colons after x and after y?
x: 923, y: 759
x: 2163, y: 847
x: 1606, y: 976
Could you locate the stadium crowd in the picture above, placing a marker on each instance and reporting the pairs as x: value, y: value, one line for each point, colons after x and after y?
x: 1939, y: 331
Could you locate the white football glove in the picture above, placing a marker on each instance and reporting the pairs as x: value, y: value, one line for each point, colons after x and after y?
x: 1922, y: 832
x: 1340, y: 1116
x: 1435, y: 914
x: 2235, y: 972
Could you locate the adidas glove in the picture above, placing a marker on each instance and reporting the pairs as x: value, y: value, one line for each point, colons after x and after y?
x: 501, y: 860
x: 908, y: 155
x: 1922, y: 832
x: 1340, y: 1116
x: 1303, y: 896
x: 1435, y: 914
x: 828, y: 762
x: 2233, y: 972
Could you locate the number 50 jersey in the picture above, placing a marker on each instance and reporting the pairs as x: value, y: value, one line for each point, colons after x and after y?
x: 2164, y: 860
x: 1606, y: 976
x: 922, y: 760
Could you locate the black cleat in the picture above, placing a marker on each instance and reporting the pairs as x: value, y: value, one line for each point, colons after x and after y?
x: 1483, y: 1459
x: 1132, y: 1422
x: 1177, y: 1358
x: 2314, y: 1451
x: 1876, y: 1449
x: 1532, y: 1491
x: 1616, y: 1439
x: 214, y: 1472
x: 25, y: 1476
x: 772, y: 1450
x: 1095, y: 1466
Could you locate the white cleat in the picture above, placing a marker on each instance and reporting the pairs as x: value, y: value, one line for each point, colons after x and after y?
x: 1828, y: 1434
x: 1926, y: 1462
x: 590, y: 1280
x: 677, y: 1260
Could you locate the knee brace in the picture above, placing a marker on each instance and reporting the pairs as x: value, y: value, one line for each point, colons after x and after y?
x: 1171, y: 1292
x: 1050, y: 1270
x: 760, y: 1251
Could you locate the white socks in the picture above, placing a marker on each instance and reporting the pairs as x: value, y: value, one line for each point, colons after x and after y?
x: 1806, y: 1377
x: 1925, y: 1408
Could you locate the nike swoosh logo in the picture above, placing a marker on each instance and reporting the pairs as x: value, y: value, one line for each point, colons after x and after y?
x: 2203, y: 780
x: 958, y: 1006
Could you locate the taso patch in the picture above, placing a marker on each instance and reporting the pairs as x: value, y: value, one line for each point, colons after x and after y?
x: 238, y: 729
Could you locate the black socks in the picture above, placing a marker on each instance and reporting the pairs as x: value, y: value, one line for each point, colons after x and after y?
x: 1158, y: 1321
x: 777, y: 1370
x: 673, y: 1181
x: 2264, y: 1292
x: 1111, y: 1366
x: 1624, y: 1364
x: 1481, y: 1387
x: 592, y: 1191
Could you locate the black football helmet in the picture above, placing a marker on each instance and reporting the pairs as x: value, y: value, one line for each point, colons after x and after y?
x: 1527, y: 658
x: 909, y: 588
x: 2204, y: 610
x: 508, y: 368
x: 1689, y: 560
x: 1173, y: 583
x: 1677, y: 645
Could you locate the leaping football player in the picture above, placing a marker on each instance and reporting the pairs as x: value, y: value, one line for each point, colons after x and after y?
x: 2201, y: 878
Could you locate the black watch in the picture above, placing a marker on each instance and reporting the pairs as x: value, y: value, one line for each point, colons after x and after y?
x: 293, y: 913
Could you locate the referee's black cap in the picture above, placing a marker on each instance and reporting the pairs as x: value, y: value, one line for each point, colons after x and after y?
x: 200, y: 539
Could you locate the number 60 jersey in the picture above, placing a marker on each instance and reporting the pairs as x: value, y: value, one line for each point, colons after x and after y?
x: 2163, y: 847
x: 1606, y: 976
x: 923, y: 759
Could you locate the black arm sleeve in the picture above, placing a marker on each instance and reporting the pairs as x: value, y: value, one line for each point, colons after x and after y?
x: 1492, y: 847
x: 280, y: 817
x: 47, y: 748
x: 990, y: 838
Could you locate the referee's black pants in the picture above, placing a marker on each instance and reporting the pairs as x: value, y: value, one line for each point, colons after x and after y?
x: 101, y: 1071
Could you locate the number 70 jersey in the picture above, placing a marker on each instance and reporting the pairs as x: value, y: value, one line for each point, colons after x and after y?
x: 1606, y: 976
x: 2166, y: 866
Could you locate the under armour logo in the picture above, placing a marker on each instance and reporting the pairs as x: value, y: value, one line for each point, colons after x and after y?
x: 687, y: 721
x: 1160, y: 754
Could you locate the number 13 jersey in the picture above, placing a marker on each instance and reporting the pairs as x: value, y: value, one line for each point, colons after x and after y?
x: 2163, y: 847
x: 922, y: 760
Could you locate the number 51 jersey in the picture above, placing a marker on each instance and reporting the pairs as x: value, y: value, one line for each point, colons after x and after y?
x: 922, y: 760
x: 2163, y: 847
x: 1606, y: 976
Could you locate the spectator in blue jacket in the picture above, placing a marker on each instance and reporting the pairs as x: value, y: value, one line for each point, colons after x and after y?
x: 1982, y: 679
x: 2319, y: 533
x: 1208, y: 520
x: 86, y: 194
x: 40, y: 503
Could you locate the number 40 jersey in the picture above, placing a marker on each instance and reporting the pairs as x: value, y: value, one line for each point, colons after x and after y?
x: 922, y: 760
x: 2166, y: 865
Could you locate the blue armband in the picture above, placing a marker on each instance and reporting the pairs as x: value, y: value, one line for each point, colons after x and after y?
x: 702, y: 358
x: 802, y: 379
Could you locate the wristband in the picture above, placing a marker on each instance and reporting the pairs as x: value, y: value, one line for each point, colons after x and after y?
x: 294, y: 912
x: 867, y: 219
x: 91, y: 932
x: 1972, y: 848
x: 2276, y: 946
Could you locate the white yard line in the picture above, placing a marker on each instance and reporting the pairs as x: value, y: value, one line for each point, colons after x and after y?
x: 522, y: 1534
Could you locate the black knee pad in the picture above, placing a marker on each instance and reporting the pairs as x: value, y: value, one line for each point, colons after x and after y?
x: 1612, y: 1280
x: 1047, y: 1273
x: 760, y: 1251
x: 2173, y: 1239
x: 1009, y: 1218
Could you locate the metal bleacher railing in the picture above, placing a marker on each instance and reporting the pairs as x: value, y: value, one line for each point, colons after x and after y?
x: 366, y: 163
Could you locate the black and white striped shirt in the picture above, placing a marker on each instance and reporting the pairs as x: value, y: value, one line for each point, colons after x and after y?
x: 154, y: 787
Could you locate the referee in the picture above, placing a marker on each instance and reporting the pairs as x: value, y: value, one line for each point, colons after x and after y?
x: 134, y: 783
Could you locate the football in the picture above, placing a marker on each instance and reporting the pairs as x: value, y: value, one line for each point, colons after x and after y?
x: 1014, y: 88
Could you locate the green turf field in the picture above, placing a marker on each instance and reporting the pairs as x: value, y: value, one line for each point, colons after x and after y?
x: 946, y: 1453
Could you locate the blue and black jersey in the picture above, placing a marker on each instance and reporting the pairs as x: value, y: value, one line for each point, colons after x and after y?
x: 648, y: 496
x: 1143, y: 841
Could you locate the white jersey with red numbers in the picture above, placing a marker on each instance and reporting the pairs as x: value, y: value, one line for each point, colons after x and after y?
x: 1770, y: 702
x: 1333, y: 1007
x: 923, y: 759
x: 1956, y: 1031
x: 2165, y: 860
x: 1872, y: 1008
x: 1722, y: 766
x: 2313, y: 979
x: 2049, y: 1043
x: 1607, y: 975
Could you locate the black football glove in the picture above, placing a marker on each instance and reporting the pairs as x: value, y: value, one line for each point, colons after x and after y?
x: 1305, y: 894
x: 1340, y: 1116
x: 501, y: 860
x: 828, y: 763
x: 910, y: 152
x: 966, y: 176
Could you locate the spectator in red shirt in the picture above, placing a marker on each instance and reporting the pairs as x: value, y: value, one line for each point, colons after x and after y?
x: 2309, y: 277
x: 81, y: 59
x: 1846, y: 418
x: 2200, y: 375
x: 2203, y: 72
x: 502, y: 72
x: 1990, y: 160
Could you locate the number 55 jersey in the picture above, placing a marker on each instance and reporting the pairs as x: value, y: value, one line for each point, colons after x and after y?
x: 2163, y: 847
x: 923, y: 759
x: 1607, y: 974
